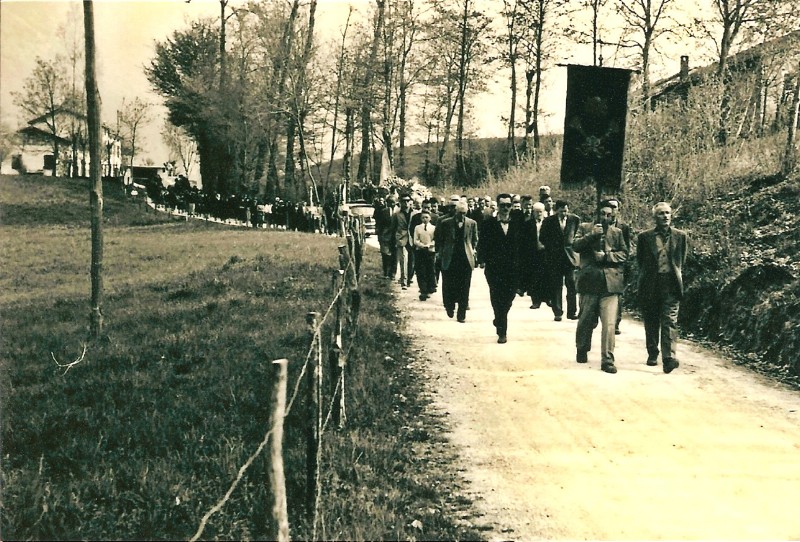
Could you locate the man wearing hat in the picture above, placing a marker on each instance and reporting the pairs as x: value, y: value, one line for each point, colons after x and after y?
x: 401, y: 222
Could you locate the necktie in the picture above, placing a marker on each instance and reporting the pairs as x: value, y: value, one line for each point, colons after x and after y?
x: 426, y: 227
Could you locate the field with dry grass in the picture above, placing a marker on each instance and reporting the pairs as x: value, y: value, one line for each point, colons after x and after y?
x: 145, y: 435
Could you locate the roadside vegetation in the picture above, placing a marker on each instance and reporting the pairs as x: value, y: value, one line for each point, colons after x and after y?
x: 145, y: 434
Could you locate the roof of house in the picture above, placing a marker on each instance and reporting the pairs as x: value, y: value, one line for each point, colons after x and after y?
x: 59, y: 111
x: 743, y: 59
x: 33, y: 131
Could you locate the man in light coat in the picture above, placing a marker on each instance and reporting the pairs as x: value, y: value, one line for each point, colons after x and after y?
x: 600, y: 280
x: 404, y: 247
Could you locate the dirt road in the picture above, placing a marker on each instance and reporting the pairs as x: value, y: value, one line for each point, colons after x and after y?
x: 558, y: 450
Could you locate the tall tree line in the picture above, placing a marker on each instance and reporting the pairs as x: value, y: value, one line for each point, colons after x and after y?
x: 270, y: 102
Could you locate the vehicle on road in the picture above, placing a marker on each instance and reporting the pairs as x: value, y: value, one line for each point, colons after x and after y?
x: 366, y: 211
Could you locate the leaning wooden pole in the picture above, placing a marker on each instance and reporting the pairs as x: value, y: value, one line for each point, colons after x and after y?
x: 313, y: 416
x: 277, y: 478
x: 96, y: 193
x: 790, y: 157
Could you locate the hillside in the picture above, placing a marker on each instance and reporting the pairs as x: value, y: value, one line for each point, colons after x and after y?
x: 743, y: 288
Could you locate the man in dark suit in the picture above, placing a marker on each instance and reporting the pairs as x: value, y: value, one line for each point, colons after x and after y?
x: 603, y: 252
x: 385, y: 234
x: 661, y: 253
x: 498, y: 253
x: 455, y: 239
x: 531, y: 263
x: 557, y: 234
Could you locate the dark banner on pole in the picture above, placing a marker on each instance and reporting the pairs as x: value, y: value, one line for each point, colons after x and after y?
x: 594, y: 127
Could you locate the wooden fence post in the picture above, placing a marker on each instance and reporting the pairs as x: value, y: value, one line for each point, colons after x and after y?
x: 277, y: 478
x: 314, y: 413
x: 335, y: 359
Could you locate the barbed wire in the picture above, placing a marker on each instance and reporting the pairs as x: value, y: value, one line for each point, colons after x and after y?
x: 217, y: 507
x: 243, y: 469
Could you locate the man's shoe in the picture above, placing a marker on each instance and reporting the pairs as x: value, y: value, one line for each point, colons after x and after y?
x: 617, y: 331
x: 536, y: 305
x: 404, y: 287
x: 467, y: 307
x: 670, y: 365
x: 608, y: 368
x: 652, y: 362
x: 582, y: 357
x: 572, y: 316
x: 461, y: 319
x: 557, y: 318
x: 502, y: 339
x: 450, y: 312
x: 423, y: 297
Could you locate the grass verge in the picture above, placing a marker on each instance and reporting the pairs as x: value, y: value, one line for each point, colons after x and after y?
x: 143, y: 436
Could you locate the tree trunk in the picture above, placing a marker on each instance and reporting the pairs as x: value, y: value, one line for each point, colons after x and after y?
x: 96, y: 194
x: 528, y: 153
x: 364, y: 173
x: 512, y: 115
x: 461, y: 173
x: 289, y: 163
x: 349, y: 137
x: 790, y: 156
x: 401, y: 152
x: 338, y: 96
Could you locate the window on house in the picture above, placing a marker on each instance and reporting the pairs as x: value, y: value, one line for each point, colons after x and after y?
x: 49, y: 162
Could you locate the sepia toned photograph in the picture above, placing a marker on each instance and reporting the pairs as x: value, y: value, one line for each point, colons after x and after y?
x: 485, y: 270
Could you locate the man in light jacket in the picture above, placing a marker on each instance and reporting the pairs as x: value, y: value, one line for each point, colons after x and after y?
x: 600, y: 279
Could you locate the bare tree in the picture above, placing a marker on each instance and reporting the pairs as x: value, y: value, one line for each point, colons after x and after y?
x: 646, y: 20
x: 133, y: 116
x: 509, y: 54
x: 537, y: 40
x: 71, y: 34
x: 365, y: 159
x: 44, y: 95
x: 472, y: 50
x: 181, y: 146
x: 733, y: 19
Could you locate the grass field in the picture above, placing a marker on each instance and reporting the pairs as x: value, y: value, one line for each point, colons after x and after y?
x: 144, y: 435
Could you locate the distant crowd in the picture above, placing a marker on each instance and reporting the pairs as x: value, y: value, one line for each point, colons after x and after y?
x: 255, y: 212
x: 536, y: 247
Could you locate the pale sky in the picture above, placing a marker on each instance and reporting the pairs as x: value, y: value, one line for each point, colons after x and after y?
x: 127, y: 30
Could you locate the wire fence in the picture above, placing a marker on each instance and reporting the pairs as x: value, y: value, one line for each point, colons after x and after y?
x: 340, y: 319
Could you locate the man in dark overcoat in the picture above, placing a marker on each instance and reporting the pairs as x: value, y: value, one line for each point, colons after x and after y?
x: 456, y: 238
x: 557, y: 234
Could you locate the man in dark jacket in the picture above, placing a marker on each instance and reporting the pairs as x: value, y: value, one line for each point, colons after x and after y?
x: 455, y: 239
x: 498, y: 253
x: 661, y: 253
x: 557, y: 234
x: 383, y: 230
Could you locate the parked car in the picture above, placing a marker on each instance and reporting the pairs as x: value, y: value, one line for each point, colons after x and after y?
x: 367, y: 212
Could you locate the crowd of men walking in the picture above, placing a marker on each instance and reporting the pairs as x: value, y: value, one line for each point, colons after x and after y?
x: 256, y: 212
x: 538, y: 248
